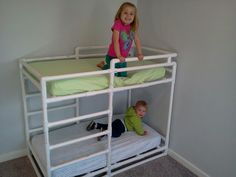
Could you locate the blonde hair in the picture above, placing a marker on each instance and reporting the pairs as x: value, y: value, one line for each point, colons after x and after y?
x: 141, y: 103
x: 134, y: 24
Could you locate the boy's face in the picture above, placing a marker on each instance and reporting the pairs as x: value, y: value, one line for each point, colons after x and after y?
x: 140, y: 111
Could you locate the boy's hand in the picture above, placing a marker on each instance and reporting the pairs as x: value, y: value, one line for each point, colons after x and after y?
x: 140, y: 57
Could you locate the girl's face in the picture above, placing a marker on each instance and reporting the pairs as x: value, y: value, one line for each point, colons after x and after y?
x: 140, y: 111
x: 127, y: 15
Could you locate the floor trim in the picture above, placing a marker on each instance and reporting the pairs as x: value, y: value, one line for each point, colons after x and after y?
x: 187, y: 164
x: 13, y: 155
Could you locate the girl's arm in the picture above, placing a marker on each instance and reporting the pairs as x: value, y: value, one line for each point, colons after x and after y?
x: 115, y: 36
x: 138, y: 45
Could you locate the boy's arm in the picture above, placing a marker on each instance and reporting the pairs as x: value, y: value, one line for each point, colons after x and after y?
x: 115, y: 37
x: 138, y: 45
x: 138, y: 128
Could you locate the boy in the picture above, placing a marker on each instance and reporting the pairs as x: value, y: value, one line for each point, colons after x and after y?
x: 132, y: 121
x: 133, y: 117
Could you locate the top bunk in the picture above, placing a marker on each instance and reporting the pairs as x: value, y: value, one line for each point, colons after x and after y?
x: 66, y: 77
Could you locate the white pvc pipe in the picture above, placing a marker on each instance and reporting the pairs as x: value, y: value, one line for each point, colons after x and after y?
x: 32, y: 130
x: 129, y: 97
x: 138, y: 163
x: 32, y: 95
x: 65, y: 143
x: 51, y: 109
x: 45, y: 127
x: 170, y: 105
x: 39, y: 163
x: 48, y: 58
x: 142, y: 85
x: 84, y: 94
x: 118, y: 164
x: 24, y: 101
x: 142, y: 67
x: 36, y: 83
x: 75, y: 119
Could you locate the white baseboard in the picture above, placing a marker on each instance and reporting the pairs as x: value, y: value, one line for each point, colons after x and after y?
x: 13, y: 155
x: 187, y: 164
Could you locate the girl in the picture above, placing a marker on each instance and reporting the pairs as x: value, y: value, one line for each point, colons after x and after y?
x: 124, y: 31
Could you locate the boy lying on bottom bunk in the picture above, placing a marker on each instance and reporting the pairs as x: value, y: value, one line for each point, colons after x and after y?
x: 128, y: 145
x: 132, y: 122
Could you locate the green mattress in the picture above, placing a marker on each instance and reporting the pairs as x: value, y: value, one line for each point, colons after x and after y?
x: 90, y: 83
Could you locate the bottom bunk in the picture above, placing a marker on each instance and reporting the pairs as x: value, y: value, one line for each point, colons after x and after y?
x: 127, y: 146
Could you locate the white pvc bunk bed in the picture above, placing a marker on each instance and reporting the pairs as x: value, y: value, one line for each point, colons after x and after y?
x: 63, y: 147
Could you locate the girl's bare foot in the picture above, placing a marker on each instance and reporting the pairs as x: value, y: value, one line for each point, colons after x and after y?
x: 101, y: 64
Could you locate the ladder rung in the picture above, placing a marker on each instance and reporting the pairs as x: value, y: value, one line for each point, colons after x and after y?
x: 78, y: 140
x: 75, y: 119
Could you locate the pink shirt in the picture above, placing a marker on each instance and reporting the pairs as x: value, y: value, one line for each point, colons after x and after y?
x: 126, y: 36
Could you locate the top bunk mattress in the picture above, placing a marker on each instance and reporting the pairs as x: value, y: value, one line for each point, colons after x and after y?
x: 90, y: 83
x: 129, y: 144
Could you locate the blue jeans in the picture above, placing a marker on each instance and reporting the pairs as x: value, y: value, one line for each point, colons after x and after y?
x: 117, y: 127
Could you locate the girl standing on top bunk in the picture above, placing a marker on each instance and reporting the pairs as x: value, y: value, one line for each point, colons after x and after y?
x: 124, y: 31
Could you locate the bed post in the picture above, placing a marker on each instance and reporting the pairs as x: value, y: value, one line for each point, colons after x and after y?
x: 45, y: 126
x: 111, y: 86
x: 129, y: 98
x: 77, y: 49
x: 23, y: 91
x: 170, y: 105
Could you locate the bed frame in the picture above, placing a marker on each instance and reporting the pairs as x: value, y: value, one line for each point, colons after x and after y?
x: 166, y: 58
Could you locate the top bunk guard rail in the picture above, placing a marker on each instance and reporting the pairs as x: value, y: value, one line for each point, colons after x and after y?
x: 47, y: 58
x: 139, y: 67
x: 157, y: 52
x: 78, y: 51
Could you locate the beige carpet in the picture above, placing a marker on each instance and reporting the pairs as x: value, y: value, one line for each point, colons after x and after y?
x: 162, y: 167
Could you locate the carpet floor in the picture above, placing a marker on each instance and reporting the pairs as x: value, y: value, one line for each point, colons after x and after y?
x: 161, y: 167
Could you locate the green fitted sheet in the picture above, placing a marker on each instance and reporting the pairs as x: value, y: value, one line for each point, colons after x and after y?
x: 90, y: 83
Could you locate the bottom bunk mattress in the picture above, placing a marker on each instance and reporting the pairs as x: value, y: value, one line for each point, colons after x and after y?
x: 126, y: 146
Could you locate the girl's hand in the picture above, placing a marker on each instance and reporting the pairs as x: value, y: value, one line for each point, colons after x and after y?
x: 140, y: 57
x: 122, y: 59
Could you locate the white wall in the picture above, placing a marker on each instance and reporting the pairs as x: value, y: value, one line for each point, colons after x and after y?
x: 30, y: 28
x: 204, y: 35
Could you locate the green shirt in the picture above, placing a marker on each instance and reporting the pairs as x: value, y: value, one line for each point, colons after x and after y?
x: 133, y: 122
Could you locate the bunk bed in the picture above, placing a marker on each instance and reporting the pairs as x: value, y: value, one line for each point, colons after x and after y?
x: 62, y: 147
